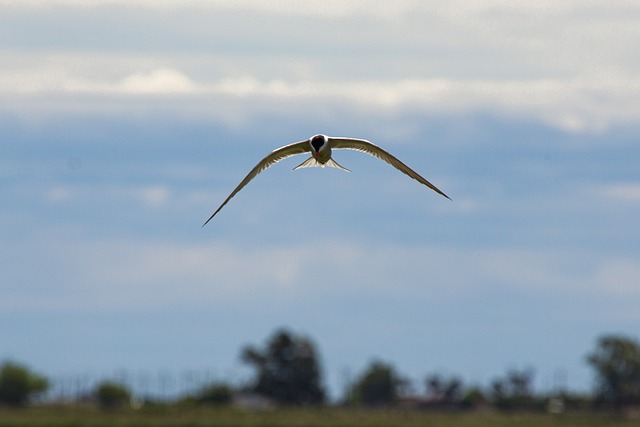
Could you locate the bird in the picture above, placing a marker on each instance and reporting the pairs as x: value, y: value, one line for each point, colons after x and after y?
x: 320, y: 147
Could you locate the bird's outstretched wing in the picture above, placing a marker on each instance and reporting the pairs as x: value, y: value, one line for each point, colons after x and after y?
x: 274, y: 157
x: 365, y: 146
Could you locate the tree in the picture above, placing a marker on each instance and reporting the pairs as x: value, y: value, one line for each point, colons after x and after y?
x: 515, y: 390
x: 215, y: 394
x: 18, y: 384
x: 616, y: 361
x: 446, y: 391
x: 378, y: 385
x: 111, y: 395
x: 473, y: 398
x: 287, y: 370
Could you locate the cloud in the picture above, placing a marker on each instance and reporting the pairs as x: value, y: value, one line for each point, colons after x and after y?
x: 572, y: 105
x: 156, y: 82
x: 568, y: 64
x: 151, y: 196
x: 348, y: 7
x: 618, y: 276
x: 628, y: 192
x: 60, y: 194
x: 155, y: 196
x: 110, y: 273
x: 491, y: 39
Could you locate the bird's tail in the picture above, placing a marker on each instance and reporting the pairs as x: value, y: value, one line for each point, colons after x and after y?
x: 332, y: 163
x: 312, y: 162
x: 309, y: 163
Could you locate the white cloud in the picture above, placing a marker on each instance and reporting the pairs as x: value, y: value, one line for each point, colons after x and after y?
x: 349, y: 7
x: 502, y: 35
x: 574, y: 105
x: 60, y: 194
x: 624, y: 192
x: 619, y: 276
x: 155, y: 196
x: 156, y: 82
x: 99, y: 273
x: 570, y: 64
x: 151, y: 196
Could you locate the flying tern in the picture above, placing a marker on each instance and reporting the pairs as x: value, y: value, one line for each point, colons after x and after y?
x: 320, y: 147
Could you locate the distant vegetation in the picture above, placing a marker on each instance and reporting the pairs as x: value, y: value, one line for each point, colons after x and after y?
x: 299, y: 416
x: 111, y: 395
x: 616, y: 361
x: 18, y: 385
x: 287, y: 374
x: 287, y: 370
x: 378, y: 385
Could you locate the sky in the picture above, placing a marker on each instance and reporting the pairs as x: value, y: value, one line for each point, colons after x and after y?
x: 124, y: 125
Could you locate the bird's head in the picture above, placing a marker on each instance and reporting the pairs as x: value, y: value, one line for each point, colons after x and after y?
x: 318, y: 143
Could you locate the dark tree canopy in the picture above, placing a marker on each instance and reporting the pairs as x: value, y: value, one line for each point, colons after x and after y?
x: 515, y: 390
x: 444, y: 390
x: 616, y: 361
x: 18, y: 384
x: 111, y: 395
x: 378, y: 385
x: 287, y: 370
x: 215, y: 394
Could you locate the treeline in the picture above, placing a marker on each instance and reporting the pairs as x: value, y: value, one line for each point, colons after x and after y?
x: 287, y: 372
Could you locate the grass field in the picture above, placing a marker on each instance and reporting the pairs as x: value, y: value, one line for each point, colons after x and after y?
x: 65, y: 416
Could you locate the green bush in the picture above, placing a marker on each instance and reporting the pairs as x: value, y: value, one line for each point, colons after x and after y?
x: 287, y: 370
x: 18, y: 384
x: 111, y: 395
x: 616, y: 362
x: 215, y: 394
x: 379, y: 385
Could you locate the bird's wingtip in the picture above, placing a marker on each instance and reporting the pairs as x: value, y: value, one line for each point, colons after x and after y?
x: 207, y: 221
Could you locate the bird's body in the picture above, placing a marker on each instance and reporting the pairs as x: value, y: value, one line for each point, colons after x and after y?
x: 320, y: 147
